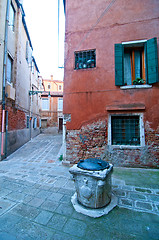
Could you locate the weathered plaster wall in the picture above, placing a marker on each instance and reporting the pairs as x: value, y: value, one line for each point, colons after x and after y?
x: 88, y: 92
x: 2, y: 32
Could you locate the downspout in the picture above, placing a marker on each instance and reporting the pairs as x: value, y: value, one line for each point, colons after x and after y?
x: 58, y: 29
x: 4, y: 76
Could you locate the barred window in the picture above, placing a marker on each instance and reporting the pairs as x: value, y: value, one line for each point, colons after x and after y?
x: 125, y: 130
x: 85, y: 59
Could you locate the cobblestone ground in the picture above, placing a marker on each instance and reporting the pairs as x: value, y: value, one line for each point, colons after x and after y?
x: 35, y: 193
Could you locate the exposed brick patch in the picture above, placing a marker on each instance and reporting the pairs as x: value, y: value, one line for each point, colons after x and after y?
x: 16, y: 119
x: 91, y: 141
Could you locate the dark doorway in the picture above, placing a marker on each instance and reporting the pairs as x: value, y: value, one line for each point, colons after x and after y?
x: 60, y: 124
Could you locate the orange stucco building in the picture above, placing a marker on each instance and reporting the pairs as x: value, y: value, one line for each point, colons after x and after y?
x: 111, y: 81
x: 52, y: 103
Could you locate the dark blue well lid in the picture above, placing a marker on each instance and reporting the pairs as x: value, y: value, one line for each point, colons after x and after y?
x: 93, y: 164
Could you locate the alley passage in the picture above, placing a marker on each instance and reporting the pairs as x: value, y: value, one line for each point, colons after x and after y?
x: 36, y: 161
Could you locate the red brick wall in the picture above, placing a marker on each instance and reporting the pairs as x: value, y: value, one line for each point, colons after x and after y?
x: 16, y: 119
x: 91, y: 141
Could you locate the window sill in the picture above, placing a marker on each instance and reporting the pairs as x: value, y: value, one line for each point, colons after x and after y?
x: 136, y: 86
x: 123, y: 147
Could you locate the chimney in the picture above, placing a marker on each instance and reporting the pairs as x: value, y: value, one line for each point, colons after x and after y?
x: 51, y: 77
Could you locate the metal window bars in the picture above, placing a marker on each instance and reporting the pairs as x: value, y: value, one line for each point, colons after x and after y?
x: 85, y: 59
x: 125, y: 130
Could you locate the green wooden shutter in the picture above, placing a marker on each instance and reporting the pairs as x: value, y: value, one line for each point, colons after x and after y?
x: 119, y: 66
x: 152, y: 61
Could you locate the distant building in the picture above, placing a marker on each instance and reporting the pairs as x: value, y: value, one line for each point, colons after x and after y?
x: 52, y: 104
x: 111, y: 84
x: 19, y: 120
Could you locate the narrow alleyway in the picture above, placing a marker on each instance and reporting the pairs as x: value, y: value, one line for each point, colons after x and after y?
x: 35, y: 200
x: 36, y: 161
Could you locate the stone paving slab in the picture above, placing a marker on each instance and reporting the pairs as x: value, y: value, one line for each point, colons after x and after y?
x: 35, y: 193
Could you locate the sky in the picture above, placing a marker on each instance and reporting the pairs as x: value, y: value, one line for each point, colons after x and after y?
x: 42, y: 22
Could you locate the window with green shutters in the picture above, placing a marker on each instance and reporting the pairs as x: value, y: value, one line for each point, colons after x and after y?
x: 136, y: 60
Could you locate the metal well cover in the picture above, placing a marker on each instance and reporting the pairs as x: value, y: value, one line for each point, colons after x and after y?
x: 93, y: 164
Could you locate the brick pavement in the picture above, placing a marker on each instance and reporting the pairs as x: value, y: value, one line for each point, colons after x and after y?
x: 35, y: 193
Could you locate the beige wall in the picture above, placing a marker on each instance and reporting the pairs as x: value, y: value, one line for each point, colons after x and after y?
x: 54, y: 85
x: 2, y: 32
x: 35, y: 87
x: 53, y: 114
x: 20, y: 105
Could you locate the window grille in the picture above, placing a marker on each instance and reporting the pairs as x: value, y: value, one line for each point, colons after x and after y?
x: 85, y: 59
x: 125, y: 130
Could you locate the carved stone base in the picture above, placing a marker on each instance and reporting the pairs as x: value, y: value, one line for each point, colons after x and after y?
x: 93, y: 212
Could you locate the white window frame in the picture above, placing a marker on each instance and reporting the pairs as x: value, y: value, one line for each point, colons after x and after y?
x: 60, y: 105
x: 45, y: 107
x: 142, y: 132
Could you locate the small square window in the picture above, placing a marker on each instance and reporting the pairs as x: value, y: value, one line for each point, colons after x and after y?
x: 85, y: 59
x: 49, y: 86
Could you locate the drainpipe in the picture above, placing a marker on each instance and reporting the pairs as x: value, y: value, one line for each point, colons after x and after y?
x: 4, y: 77
x: 58, y: 29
